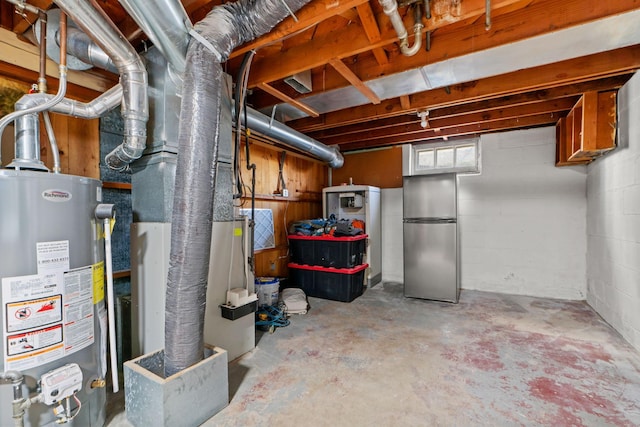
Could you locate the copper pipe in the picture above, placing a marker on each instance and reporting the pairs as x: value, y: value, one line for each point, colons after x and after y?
x: 42, y: 78
x: 63, y: 39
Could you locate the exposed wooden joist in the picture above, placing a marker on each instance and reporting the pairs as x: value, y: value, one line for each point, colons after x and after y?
x: 286, y: 98
x: 370, y: 25
x: 409, y: 125
x: 473, y: 129
x: 19, y: 59
x: 350, y: 76
x: 6, y: 15
x: 532, y: 97
x: 563, y: 94
x: 311, y: 14
x: 508, y: 28
x: 405, y: 102
x: 606, y: 64
x: 23, y: 24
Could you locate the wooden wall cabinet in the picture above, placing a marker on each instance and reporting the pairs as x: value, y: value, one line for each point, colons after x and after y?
x: 588, y: 131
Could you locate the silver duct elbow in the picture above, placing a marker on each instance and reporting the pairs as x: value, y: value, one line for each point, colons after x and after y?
x: 133, y: 78
x: 135, y: 113
x: 27, y: 127
x: 90, y: 110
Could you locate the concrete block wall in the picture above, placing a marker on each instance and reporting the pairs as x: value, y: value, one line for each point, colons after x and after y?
x: 613, y: 223
x: 522, y: 220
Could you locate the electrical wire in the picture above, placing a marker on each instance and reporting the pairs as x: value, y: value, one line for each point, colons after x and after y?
x: 274, y: 317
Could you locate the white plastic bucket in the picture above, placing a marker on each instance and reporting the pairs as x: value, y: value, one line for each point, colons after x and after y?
x: 267, y: 289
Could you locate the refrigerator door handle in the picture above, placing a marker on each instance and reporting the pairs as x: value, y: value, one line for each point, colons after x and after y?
x: 429, y: 220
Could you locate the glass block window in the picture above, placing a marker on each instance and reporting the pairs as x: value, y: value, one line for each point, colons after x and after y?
x: 444, y: 157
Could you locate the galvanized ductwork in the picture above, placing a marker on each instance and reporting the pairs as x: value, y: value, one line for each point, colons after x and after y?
x: 168, y: 25
x: 133, y: 78
x: 258, y: 122
x: 224, y: 28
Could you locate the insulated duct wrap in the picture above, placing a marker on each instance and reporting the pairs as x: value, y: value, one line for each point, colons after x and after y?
x: 224, y: 28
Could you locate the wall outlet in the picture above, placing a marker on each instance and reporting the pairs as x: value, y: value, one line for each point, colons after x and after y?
x: 285, y: 192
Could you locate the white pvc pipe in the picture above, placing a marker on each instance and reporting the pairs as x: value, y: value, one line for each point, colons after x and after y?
x: 110, y: 305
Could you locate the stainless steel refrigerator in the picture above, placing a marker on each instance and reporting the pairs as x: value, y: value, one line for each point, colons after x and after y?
x: 431, y: 237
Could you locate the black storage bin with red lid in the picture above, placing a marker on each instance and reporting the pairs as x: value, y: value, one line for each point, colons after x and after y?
x: 328, y: 251
x: 338, y: 284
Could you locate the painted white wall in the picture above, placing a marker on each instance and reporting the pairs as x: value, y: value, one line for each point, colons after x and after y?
x: 391, y: 211
x: 613, y: 223
x: 522, y: 220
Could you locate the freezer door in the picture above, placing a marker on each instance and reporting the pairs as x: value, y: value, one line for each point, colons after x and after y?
x: 430, y: 257
x: 430, y: 196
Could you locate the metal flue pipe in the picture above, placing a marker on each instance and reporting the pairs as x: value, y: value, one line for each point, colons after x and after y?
x: 27, y: 144
x: 166, y: 23
x: 85, y: 49
x: 83, y: 110
x: 133, y: 78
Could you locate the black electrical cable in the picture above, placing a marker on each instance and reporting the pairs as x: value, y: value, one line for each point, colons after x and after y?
x: 252, y: 168
x: 239, y: 98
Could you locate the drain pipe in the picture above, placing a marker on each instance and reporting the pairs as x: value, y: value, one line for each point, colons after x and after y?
x: 133, y: 78
x: 390, y: 8
x: 224, y: 28
x: 167, y: 25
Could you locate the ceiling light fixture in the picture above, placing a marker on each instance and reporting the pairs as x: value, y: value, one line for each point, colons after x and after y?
x: 424, y: 118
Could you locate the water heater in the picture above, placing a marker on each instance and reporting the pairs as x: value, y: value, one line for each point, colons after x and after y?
x: 52, y: 298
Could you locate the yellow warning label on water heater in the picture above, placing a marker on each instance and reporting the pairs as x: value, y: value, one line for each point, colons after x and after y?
x: 98, y: 282
x: 237, y: 231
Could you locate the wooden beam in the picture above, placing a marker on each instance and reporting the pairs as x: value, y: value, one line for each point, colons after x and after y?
x: 20, y: 61
x: 473, y: 129
x: 405, y: 102
x: 6, y: 15
x: 576, y: 89
x: 535, y: 20
x: 311, y: 14
x: 350, y: 76
x: 372, y: 31
x: 23, y: 24
x: 406, y: 126
x: 286, y: 98
x: 560, y: 93
x: 591, y: 67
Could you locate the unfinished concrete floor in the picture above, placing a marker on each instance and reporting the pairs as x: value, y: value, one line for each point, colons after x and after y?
x: 491, y: 360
